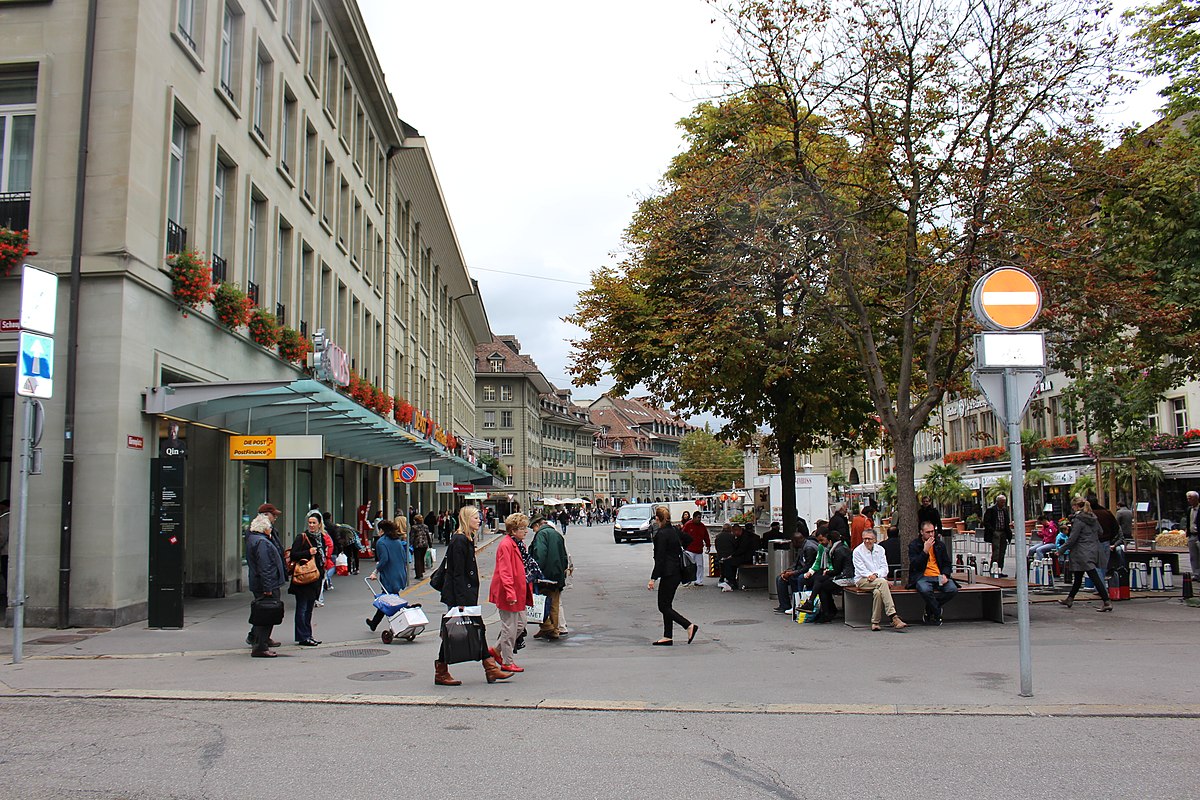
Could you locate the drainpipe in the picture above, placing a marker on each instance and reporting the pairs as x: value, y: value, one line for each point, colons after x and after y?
x: 68, y: 468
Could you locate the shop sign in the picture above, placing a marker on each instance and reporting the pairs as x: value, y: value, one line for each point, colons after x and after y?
x: 445, y: 486
x: 464, y: 488
x: 477, y: 496
x: 329, y: 362
x: 276, y: 448
x: 135, y: 442
x: 10, y: 325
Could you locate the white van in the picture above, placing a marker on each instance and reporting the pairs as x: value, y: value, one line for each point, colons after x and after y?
x: 633, y: 520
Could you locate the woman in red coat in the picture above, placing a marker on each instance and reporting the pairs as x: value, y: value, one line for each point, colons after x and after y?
x: 510, y: 590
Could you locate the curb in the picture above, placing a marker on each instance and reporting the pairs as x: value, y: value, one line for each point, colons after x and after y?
x: 1050, y: 711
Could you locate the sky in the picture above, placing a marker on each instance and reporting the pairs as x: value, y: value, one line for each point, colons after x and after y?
x: 548, y: 121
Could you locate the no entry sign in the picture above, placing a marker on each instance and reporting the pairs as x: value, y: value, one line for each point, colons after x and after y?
x: 1007, y: 299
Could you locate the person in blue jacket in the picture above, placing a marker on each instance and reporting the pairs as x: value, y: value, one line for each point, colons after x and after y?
x: 392, y: 568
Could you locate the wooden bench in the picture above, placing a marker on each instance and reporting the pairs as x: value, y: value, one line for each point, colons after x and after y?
x: 973, y: 601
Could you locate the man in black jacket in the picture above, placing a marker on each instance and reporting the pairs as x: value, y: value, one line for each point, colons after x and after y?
x: 744, y: 547
x: 832, y: 564
x: 792, y: 580
x: 997, y: 531
x: 929, y: 562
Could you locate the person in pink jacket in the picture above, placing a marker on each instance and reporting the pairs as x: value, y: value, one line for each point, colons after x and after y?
x: 510, y: 590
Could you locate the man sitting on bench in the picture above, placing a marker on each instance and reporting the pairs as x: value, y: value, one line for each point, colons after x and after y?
x: 930, y: 564
x: 832, y: 561
x: 744, y: 548
x: 870, y: 574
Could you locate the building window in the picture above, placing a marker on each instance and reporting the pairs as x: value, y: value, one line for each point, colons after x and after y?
x: 188, y: 22
x: 287, y: 131
x: 283, y: 269
x: 506, y: 419
x: 506, y: 394
x: 508, y: 476
x: 230, y: 64
x: 316, y: 39
x: 328, y: 198
x: 177, y: 169
x: 222, y: 230
x: 1152, y: 421
x: 262, y: 97
x: 18, y: 103
x: 497, y: 364
x: 255, y: 241
x: 489, y: 393
x: 1179, y: 414
x: 489, y: 419
x: 292, y: 19
x: 506, y: 446
x: 311, y: 155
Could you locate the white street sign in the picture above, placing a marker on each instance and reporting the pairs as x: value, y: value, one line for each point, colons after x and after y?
x: 39, y: 298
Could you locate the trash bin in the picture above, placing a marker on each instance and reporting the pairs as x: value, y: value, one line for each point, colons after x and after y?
x: 779, y: 559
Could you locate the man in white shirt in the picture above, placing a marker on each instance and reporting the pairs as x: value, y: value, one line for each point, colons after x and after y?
x: 870, y: 574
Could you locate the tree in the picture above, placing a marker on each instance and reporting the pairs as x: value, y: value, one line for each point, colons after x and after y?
x: 838, y: 482
x: 1167, y: 36
x: 708, y: 463
x: 943, y: 110
x: 712, y: 306
x: 944, y: 485
x: 1039, y: 478
x: 494, y: 466
x: 1002, y: 486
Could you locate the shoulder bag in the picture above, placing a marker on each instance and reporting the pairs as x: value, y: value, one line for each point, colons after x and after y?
x: 438, y: 578
x: 306, y: 572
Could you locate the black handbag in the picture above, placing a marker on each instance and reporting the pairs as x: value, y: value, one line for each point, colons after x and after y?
x: 266, y: 611
x: 438, y: 578
x: 687, y: 569
x: 463, y: 639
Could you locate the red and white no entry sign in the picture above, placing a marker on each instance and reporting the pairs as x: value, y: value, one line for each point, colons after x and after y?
x: 1007, y: 299
x: 408, y: 473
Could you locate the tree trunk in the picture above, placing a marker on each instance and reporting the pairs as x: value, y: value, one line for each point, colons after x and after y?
x: 787, y: 479
x: 904, y: 517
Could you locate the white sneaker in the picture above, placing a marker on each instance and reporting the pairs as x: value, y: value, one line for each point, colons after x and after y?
x: 725, y: 587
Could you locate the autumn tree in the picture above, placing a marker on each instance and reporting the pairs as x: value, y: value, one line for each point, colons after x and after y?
x: 713, y: 306
x: 944, y: 108
x: 708, y: 463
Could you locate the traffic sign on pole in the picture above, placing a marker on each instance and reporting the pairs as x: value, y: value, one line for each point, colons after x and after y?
x: 407, y: 473
x: 1007, y: 299
x: 35, y: 366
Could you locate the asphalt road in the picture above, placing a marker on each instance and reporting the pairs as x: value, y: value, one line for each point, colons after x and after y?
x: 135, y: 750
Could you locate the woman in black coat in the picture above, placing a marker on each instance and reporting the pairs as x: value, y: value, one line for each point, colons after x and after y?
x: 460, y: 587
x: 308, y: 545
x: 669, y: 542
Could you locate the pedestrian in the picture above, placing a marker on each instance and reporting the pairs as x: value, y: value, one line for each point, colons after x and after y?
x: 316, y: 529
x: 669, y: 543
x: 997, y: 531
x: 563, y: 519
x: 1191, y: 527
x: 306, y: 547
x: 549, y: 549
x: 1084, y: 547
x: 460, y: 589
x: 264, y: 564
x: 421, y: 542
x: 510, y: 590
x: 698, y: 545
x: 391, y: 570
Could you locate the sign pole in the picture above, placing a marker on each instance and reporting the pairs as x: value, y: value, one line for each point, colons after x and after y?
x: 18, y: 599
x: 1014, y: 405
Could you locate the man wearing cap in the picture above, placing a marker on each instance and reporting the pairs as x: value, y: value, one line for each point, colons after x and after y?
x: 264, y: 562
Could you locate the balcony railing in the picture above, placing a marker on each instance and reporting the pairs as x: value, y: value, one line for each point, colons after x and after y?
x: 225, y: 87
x: 176, y: 237
x: 186, y: 35
x: 281, y: 313
x: 252, y: 291
x: 14, y: 210
x: 219, y: 272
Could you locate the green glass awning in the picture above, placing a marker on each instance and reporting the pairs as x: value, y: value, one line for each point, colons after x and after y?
x: 308, y: 407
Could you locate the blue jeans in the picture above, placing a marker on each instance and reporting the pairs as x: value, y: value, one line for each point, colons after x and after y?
x: 304, y: 611
x: 935, y: 594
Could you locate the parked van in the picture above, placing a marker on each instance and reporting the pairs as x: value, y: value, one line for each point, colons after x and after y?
x: 635, y: 520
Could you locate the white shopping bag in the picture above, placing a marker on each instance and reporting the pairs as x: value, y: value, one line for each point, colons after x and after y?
x: 414, y: 616
x: 537, y: 611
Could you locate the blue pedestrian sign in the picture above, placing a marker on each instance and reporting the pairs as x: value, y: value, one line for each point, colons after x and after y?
x: 35, y: 366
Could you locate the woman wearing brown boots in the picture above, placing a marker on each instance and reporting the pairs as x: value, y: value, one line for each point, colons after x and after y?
x: 460, y: 588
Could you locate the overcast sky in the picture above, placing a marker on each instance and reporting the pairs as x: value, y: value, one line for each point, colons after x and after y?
x: 547, y: 121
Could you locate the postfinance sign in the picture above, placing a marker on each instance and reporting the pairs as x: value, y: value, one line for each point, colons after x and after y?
x: 252, y: 448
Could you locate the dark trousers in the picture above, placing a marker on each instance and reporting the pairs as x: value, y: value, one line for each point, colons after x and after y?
x: 262, y: 633
x: 999, y: 548
x: 419, y: 561
x: 1097, y: 578
x: 304, y: 611
x: 824, y: 588
x: 352, y: 559
x: 666, y: 596
x: 786, y: 588
x: 729, y: 568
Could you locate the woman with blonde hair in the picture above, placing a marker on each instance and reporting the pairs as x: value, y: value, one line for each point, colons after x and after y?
x: 1083, y: 548
x: 460, y: 588
x: 669, y: 542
